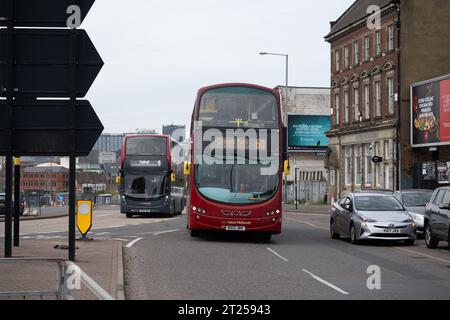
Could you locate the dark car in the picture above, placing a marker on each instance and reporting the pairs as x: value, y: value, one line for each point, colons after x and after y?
x: 2, y: 205
x: 415, y: 201
x: 437, y: 218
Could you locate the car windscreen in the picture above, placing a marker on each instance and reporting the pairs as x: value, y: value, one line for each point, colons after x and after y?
x: 416, y: 199
x: 377, y: 203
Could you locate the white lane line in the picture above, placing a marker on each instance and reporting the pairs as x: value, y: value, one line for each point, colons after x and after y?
x: 164, y: 232
x: 423, y: 255
x: 102, y: 233
x: 120, y: 239
x: 102, y: 215
x: 307, y: 214
x: 111, y: 227
x: 326, y: 283
x: 129, y: 245
x: 309, y: 224
x: 278, y: 255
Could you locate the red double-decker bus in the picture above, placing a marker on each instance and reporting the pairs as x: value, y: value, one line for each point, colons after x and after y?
x: 149, y: 181
x: 236, y: 188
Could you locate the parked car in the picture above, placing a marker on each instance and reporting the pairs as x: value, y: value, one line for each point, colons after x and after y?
x: 371, y: 216
x: 2, y: 205
x: 415, y: 202
x: 437, y: 218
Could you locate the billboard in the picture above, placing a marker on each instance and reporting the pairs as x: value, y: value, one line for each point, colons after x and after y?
x: 308, y: 133
x: 430, y: 113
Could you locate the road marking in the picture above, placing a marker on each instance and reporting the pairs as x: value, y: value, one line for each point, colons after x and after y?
x: 278, y: 255
x: 129, y: 245
x: 309, y: 224
x: 423, y: 255
x: 120, y: 239
x: 307, y: 214
x: 101, y: 233
x: 163, y: 232
x: 111, y: 227
x: 326, y: 283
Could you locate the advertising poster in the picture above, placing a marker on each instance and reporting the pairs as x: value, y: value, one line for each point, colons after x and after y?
x: 308, y: 132
x: 431, y: 113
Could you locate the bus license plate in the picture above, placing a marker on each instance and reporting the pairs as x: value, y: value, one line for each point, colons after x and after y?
x: 391, y: 230
x: 235, y: 228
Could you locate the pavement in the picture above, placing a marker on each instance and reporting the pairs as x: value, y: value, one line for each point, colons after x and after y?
x: 101, y: 260
x: 46, y: 213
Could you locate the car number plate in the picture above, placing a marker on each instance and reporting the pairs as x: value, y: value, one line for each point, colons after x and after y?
x: 235, y: 228
x: 391, y: 230
x: 145, y: 210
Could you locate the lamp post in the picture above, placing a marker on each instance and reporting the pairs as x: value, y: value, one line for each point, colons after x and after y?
x: 285, y: 100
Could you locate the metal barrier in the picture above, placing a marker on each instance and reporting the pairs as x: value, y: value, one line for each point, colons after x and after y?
x: 66, y: 271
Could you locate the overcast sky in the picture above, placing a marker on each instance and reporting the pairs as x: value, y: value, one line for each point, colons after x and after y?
x: 159, y: 53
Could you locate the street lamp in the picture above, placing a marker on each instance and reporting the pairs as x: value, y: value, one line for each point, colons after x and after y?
x: 287, y: 76
x: 285, y: 101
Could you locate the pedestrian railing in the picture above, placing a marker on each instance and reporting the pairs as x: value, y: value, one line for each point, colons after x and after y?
x: 69, y: 278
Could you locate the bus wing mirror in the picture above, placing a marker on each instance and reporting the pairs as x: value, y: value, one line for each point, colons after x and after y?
x: 173, y: 177
x: 187, y: 168
x: 287, y: 168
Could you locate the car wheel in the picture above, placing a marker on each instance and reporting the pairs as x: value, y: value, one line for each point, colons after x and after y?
x: 431, y: 241
x: 195, y: 233
x: 265, y: 236
x: 353, y: 238
x: 333, y: 233
x: 129, y: 215
x: 409, y: 242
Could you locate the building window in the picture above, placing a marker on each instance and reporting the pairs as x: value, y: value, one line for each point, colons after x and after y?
x: 391, y: 37
x: 378, y: 171
x: 356, y: 111
x: 348, y: 170
x: 377, y: 97
x: 378, y: 43
x: 366, y: 48
x: 337, y: 111
x: 346, y: 107
x: 346, y: 57
x: 332, y: 177
x: 368, y: 165
x: 387, y: 173
x: 366, y: 101
x: 386, y: 150
x: 357, y: 165
x: 390, y: 94
x: 355, y: 52
x: 337, y: 59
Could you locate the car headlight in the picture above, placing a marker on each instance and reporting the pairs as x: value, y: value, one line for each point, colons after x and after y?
x: 365, y: 220
x: 417, y: 217
x: 410, y: 219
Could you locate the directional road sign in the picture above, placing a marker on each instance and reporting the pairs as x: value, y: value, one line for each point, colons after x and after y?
x: 42, y: 128
x: 42, y: 62
x: 43, y: 13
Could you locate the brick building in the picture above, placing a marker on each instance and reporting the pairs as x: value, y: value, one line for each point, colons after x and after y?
x: 371, y: 74
x: 44, y: 179
x: 364, y: 75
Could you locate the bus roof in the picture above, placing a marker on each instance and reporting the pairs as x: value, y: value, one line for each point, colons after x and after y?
x: 201, y: 91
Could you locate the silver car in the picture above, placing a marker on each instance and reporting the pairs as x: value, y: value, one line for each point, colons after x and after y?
x: 415, y: 201
x: 372, y: 216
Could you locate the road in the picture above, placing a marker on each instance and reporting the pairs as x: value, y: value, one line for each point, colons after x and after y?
x: 162, y: 261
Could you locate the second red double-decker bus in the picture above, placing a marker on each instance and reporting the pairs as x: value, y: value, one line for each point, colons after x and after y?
x: 236, y: 188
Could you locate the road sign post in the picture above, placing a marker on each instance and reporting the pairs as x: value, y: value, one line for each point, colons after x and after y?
x: 40, y: 63
x: 17, y: 202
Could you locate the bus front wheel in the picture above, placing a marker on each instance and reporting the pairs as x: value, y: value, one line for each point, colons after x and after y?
x: 195, y: 233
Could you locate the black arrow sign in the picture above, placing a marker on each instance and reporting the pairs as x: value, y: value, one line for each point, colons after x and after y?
x: 43, y: 13
x: 42, y: 128
x: 42, y: 62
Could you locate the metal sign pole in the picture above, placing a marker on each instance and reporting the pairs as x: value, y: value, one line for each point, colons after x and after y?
x: 9, y: 115
x: 72, y: 139
x: 17, y: 202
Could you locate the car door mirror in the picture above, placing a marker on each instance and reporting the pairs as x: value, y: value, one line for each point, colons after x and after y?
x: 444, y: 206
